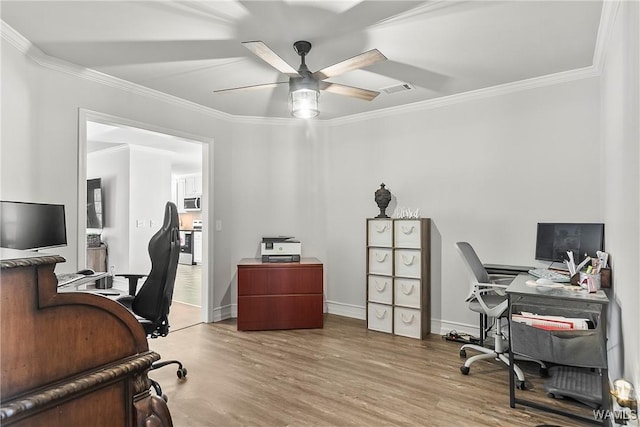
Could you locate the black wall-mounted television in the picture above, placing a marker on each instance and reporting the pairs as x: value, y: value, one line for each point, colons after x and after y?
x: 26, y: 225
x: 553, y: 240
x: 95, y: 212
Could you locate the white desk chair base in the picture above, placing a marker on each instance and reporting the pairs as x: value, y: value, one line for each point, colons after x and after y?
x: 500, y: 354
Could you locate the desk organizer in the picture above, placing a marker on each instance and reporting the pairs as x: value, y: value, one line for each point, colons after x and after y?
x: 581, y: 348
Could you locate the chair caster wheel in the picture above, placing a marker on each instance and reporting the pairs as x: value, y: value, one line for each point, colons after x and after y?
x: 182, y: 373
x: 520, y: 385
x: 463, y: 353
x: 544, y: 373
x: 551, y: 395
x: 464, y: 370
x: 164, y: 397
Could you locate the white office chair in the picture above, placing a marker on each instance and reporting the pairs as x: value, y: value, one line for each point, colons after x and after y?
x: 488, y: 298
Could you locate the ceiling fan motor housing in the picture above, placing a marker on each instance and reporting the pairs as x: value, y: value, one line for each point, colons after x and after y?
x: 306, y: 80
x: 302, y: 47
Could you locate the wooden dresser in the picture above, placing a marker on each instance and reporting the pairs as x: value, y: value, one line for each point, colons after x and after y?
x: 69, y: 359
x: 280, y: 295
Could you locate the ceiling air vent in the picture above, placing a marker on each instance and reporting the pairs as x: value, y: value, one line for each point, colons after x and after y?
x: 398, y: 88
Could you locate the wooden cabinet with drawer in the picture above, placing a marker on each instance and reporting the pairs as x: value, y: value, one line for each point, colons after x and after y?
x: 282, y: 295
x: 400, y: 273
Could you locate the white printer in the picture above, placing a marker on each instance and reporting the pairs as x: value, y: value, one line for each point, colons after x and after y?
x: 280, y: 249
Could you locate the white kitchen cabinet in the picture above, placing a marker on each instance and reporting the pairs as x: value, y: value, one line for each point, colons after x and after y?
x: 401, y: 269
x: 192, y: 185
x: 186, y: 186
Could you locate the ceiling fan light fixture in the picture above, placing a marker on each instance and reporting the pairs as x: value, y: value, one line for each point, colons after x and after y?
x: 304, y: 103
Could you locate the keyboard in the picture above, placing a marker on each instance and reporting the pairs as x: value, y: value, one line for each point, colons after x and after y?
x: 66, y: 278
x: 544, y: 273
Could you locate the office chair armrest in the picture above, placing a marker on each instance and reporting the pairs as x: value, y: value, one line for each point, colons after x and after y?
x: 133, y: 281
x: 492, y: 287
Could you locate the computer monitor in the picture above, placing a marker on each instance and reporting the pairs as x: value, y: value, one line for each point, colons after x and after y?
x: 26, y: 225
x: 555, y: 239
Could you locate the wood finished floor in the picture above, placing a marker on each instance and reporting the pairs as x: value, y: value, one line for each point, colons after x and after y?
x: 341, y: 375
x: 187, y: 287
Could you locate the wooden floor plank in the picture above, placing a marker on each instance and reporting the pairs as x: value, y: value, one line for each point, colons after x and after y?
x: 341, y: 375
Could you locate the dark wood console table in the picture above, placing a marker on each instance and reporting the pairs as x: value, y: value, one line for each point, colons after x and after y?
x: 69, y: 359
x: 280, y: 295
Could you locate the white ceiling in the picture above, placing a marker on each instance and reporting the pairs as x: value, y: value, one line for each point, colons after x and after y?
x: 191, y: 48
x: 186, y: 155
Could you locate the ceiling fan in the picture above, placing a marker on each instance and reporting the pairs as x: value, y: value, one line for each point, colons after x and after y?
x: 304, y: 86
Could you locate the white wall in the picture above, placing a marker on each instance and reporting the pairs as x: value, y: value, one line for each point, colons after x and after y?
x: 112, y: 166
x: 486, y: 171
x: 621, y: 191
x: 150, y: 190
x: 39, y: 146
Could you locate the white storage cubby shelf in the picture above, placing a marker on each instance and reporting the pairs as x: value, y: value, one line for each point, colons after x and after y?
x: 399, y: 276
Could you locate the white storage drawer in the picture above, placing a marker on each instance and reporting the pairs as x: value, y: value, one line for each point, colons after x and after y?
x: 379, y: 233
x: 407, y: 322
x: 399, y: 269
x: 380, y: 289
x: 407, y: 292
x: 380, y: 261
x: 380, y: 317
x: 407, y: 234
x: 407, y: 262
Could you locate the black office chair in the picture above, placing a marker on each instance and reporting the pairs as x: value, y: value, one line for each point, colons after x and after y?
x: 487, y: 297
x: 151, y: 304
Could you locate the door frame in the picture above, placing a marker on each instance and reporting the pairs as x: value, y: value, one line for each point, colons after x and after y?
x: 85, y: 115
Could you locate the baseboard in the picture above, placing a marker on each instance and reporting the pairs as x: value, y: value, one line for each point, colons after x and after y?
x: 346, y: 310
x: 228, y: 311
x: 438, y: 326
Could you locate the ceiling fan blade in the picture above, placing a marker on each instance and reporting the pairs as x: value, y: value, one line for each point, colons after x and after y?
x: 263, y: 51
x: 247, y: 88
x: 359, y: 61
x: 355, y: 92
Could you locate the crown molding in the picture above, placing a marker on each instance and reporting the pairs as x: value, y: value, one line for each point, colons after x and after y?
x: 607, y: 19
x: 27, y: 48
x: 490, y: 92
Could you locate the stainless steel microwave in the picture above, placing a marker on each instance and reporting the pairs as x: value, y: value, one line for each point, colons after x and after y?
x: 192, y: 203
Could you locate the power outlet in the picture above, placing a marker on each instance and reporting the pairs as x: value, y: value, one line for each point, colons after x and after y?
x: 218, y: 225
x: 140, y: 223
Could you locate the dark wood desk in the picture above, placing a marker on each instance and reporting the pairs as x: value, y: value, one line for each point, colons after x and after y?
x: 280, y: 295
x: 69, y: 359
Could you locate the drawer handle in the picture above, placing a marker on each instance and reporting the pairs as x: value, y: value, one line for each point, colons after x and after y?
x: 379, y: 314
x: 406, y: 290
x: 381, y: 288
x: 406, y: 320
x: 408, y: 260
x: 380, y: 259
x: 407, y: 230
x: 381, y: 229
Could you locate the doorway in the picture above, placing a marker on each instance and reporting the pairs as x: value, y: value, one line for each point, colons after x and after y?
x: 103, y: 136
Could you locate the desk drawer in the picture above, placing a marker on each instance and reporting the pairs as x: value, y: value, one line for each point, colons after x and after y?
x: 280, y: 280
x: 259, y: 313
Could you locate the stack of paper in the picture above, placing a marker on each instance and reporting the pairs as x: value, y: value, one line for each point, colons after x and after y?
x: 551, y: 323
